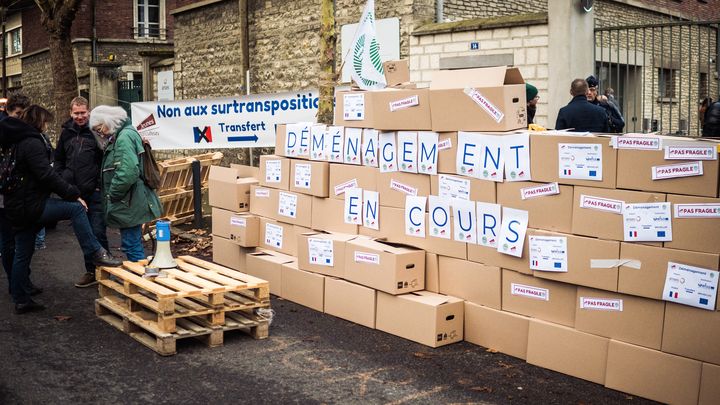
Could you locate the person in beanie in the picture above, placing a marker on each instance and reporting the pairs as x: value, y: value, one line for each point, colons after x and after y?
x: 531, y: 95
x: 616, y: 123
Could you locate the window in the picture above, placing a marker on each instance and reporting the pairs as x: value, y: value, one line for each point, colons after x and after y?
x: 13, y: 44
x: 666, y: 83
x: 150, y: 18
x: 703, y: 86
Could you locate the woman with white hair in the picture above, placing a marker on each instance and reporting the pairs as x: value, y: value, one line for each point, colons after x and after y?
x: 127, y: 201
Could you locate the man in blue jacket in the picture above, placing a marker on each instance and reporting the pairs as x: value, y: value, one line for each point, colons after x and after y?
x: 580, y: 115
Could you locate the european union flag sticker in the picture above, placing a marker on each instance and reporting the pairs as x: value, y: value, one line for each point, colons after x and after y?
x: 593, y: 173
x: 557, y: 265
x: 327, y: 261
x: 292, y: 213
x: 307, y: 184
x: 661, y: 234
x: 703, y: 301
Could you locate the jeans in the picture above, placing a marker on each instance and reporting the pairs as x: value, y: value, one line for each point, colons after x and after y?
x: 131, y: 243
x: 40, y: 238
x: 7, y: 245
x: 55, y: 210
x: 97, y: 223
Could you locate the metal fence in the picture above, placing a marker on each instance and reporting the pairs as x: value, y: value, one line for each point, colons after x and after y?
x: 660, y: 73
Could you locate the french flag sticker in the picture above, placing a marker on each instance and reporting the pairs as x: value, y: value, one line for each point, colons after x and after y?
x: 633, y: 234
x: 534, y: 262
x: 673, y: 295
x: 567, y: 172
x: 313, y: 259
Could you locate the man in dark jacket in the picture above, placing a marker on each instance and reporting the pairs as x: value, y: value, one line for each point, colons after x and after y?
x: 711, y: 123
x: 616, y: 123
x: 77, y: 159
x: 580, y: 115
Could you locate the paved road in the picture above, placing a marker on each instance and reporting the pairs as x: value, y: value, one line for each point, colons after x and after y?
x: 309, y: 358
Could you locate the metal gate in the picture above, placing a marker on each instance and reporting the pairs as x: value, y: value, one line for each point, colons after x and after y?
x: 129, y: 91
x: 660, y: 73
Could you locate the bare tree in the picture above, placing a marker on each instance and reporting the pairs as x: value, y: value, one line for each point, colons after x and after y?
x: 327, y: 61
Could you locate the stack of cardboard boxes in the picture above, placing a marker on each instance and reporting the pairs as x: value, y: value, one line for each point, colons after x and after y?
x: 590, y: 255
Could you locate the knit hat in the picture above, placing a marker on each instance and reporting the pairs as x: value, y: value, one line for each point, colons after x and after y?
x: 530, y: 91
x: 592, y: 81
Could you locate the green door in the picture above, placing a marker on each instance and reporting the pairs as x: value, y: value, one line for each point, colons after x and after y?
x: 129, y: 91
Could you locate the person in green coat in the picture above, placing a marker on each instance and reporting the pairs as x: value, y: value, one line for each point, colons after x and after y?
x: 128, y: 202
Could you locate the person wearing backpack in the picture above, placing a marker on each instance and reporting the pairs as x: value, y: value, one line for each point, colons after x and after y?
x: 26, y: 183
x: 128, y: 202
x: 78, y: 157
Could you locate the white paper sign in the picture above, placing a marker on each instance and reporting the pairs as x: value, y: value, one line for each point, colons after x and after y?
x: 335, y: 144
x: 691, y: 285
x: 530, y: 291
x: 320, y: 252
x: 287, y: 205
x: 548, y: 253
x: 489, y: 221
x: 318, y: 144
x: 601, y: 304
x: 439, y: 216
x: 464, y: 221
x: 342, y: 187
x: 451, y: 187
x: 641, y: 143
x: 404, y: 103
x: 415, y: 216
x: 262, y: 192
x: 238, y: 221
x: 365, y: 257
x: 491, y: 109
x: 539, y: 191
x: 407, y: 151
x: 517, y: 157
x: 647, y: 222
x: 491, y: 158
x: 354, y: 106
x: 370, y: 147
x: 466, y: 159
x: 445, y: 144
x: 512, y: 231
x: 697, y: 210
x: 601, y: 204
x: 353, y: 143
x: 303, y: 175
x: 580, y: 161
x: 370, y: 210
x: 677, y: 170
x: 388, y: 158
x: 274, y: 235
x: 353, y: 206
x: 427, y: 153
x: 273, y: 171
x: 677, y: 152
x: 402, y: 187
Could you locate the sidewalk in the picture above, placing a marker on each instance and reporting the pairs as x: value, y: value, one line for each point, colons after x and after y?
x: 309, y: 358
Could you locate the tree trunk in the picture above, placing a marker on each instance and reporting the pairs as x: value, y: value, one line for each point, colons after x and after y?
x: 327, y: 61
x: 64, y: 75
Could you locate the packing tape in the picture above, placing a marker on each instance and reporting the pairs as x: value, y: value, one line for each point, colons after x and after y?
x: 610, y: 263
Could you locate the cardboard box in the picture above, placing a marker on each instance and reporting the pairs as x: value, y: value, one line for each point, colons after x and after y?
x: 500, y: 90
x: 302, y: 287
x: 279, y: 236
x: 567, y: 351
x: 470, y: 281
x: 396, y: 72
x: 480, y: 190
x: 427, y: 318
x: 241, y: 228
x: 652, y: 374
x: 692, y: 332
x: 229, y: 188
x: 395, y: 186
x: 309, y: 177
x: 605, y: 220
x: 344, y: 176
x: 549, y: 212
x: 229, y: 254
x: 622, y: 317
x: 581, y: 252
x: 498, y: 330
x: 649, y: 280
x: 699, y: 233
x: 395, y: 269
x: 637, y: 165
x: 352, y: 302
x: 263, y: 201
x: 447, y: 152
x: 294, y: 208
x: 267, y: 265
x: 432, y: 272
x: 538, y: 298
x: 275, y: 172
x: 387, y: 109
x: 280, y: 139
x: 323, y: 253
x: 709, y: 387
x: 491, y: 257
x: 327, y: 215
x: 545, y: 165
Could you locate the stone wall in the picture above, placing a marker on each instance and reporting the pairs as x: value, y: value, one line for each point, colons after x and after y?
x: 456, y: 10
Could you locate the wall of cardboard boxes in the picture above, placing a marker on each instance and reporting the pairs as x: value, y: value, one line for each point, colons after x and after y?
x: 595, y: 256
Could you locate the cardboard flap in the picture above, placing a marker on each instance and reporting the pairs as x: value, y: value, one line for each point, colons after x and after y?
x: 246, y: 171
x: 427, y: 298
x: 480, y: 77
x: 222, y: 173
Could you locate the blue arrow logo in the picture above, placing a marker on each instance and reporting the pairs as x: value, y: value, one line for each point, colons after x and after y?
x: 253, y: 138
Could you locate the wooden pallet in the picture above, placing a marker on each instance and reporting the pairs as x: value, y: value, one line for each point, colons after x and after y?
x: 176, y: 174
x: 139, y: 326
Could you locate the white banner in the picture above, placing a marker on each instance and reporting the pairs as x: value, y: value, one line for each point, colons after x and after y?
x: 237, y: 122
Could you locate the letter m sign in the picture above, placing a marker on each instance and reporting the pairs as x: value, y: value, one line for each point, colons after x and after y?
x: 202, y: 134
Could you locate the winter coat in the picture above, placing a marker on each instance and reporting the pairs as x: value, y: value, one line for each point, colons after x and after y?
x: 127, y: 201
x: 616, y: 123
x: 711, y: 125
x: 582, y: 116
x: 26, y: 203
x: 78, y: 158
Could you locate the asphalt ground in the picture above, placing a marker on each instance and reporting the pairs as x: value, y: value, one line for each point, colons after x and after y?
x: 65, y: 354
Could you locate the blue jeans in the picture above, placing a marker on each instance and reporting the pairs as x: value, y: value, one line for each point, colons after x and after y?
x: 131, y: 243
x: 97, y: 223
x: 55, y: 210
x: 7, y: 245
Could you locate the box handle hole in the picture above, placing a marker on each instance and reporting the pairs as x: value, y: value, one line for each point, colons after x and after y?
x: 410, y: 266
x: 515, y: 99
x: 450, y: 317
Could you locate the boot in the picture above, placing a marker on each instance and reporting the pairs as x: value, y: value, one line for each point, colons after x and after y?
x: 103, y: 258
